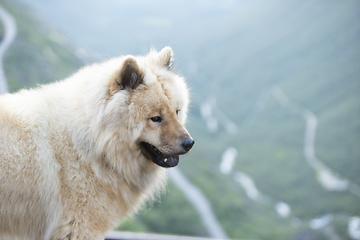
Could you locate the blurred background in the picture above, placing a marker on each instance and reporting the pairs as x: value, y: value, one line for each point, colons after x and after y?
x: 275, y: 112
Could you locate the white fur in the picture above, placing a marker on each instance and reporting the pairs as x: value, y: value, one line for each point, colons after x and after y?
x: 70, y: 165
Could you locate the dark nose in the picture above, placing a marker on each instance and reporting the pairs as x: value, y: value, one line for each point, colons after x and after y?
x: 188, y: 143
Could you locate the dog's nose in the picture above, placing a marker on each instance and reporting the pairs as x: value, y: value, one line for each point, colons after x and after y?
x: 188, y: 143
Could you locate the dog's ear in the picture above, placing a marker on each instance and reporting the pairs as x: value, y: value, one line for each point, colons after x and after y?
x: 127, y: 77
x: 130, y: 76
x: 166, y: 57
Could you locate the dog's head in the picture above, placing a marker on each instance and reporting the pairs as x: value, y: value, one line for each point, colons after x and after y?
x: 156, y: 106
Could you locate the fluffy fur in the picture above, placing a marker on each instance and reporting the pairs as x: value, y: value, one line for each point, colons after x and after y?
x: 75, y: 155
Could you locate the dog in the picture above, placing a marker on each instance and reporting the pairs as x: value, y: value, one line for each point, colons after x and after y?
x: 78, y: 155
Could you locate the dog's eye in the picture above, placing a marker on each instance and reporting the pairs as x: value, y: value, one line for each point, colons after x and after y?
x: 156, y: 119
x: 177, y: 112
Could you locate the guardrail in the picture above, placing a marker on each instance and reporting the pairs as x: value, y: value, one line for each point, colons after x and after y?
x: 149, y: 236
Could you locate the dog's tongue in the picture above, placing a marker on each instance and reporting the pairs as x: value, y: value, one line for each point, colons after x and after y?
x: 167, y: 161
x: 171, y: 161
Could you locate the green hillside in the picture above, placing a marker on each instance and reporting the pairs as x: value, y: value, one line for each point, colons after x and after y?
x: 39, y: 53
x: 321, y: 72
x: 308, y: 50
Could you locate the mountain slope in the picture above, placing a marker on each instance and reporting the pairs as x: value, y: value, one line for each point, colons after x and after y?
x: 38, y: 54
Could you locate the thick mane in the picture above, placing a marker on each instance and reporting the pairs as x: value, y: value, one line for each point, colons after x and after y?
x: 80, y: 154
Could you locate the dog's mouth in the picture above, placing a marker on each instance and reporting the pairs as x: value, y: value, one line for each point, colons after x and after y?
x: 158, y: 157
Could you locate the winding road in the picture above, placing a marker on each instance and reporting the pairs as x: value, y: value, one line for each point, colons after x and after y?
x: 9, y: 26
x: 328, y: 179
x: 201, y: 204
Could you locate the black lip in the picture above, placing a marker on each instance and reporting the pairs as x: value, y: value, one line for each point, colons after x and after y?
x: 158, y: 157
